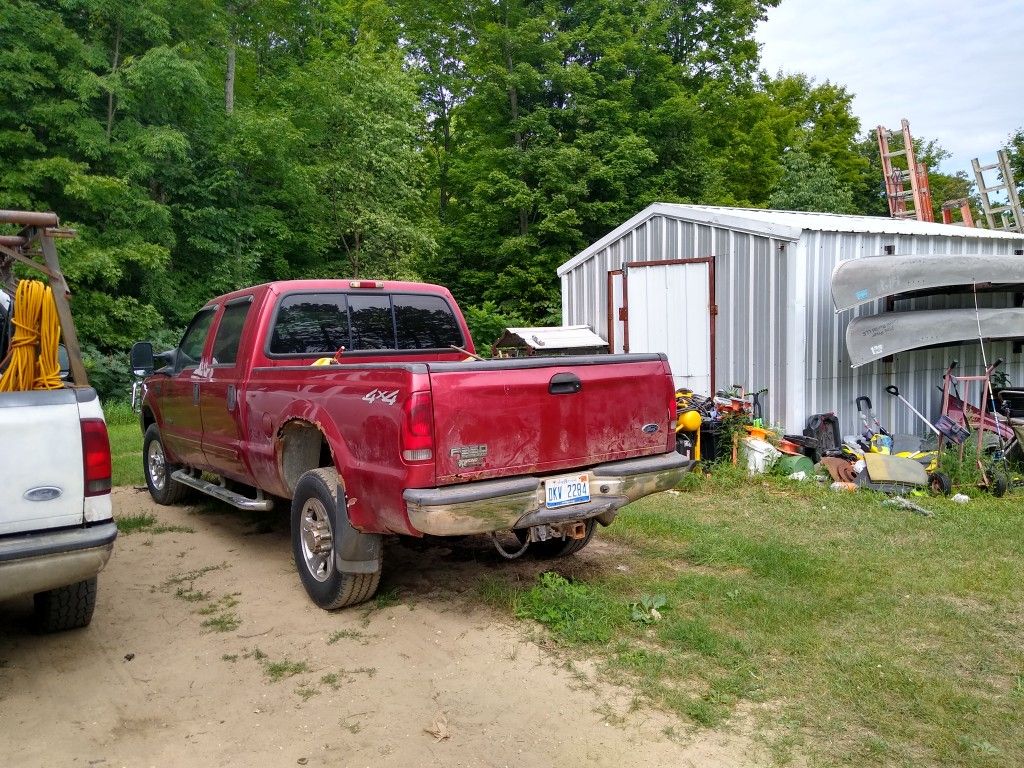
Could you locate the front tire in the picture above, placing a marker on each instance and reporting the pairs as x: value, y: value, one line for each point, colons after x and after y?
x: 67, y: 607
x: 314, y: 544
x: 158, y: 470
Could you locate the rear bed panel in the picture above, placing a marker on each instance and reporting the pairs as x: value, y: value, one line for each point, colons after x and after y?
x: 500, y: 418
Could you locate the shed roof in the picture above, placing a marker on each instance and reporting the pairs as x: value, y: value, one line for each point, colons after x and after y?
x: 785, y: 225
x: 560, y: 337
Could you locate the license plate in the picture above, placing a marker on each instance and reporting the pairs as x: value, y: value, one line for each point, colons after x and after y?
x: 566, y: 490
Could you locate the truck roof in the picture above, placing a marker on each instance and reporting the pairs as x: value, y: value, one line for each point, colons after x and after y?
x: 358, y: 285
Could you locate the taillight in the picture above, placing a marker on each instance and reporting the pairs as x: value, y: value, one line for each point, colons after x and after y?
x: 673, y: 408
x: 96, y: 457
x: 418, y: 428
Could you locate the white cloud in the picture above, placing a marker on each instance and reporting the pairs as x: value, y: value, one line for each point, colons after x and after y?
x: 953, y: 71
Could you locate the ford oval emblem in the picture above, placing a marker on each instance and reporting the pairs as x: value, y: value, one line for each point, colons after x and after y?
x: 650, y: 429
x: 45, y: 493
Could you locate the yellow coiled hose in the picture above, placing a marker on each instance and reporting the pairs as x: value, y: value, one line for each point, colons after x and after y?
x: 33, y: 351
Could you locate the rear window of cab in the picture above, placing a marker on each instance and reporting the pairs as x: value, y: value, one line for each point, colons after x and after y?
x: 321, y: 323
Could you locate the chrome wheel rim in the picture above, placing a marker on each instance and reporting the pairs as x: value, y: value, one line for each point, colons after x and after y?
x: 156, y: 465
x: 317, y: 540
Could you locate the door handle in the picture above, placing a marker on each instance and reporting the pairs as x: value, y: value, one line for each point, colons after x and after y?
x: 232, y: 398
x: 564, y: 384
x: 195, y: 394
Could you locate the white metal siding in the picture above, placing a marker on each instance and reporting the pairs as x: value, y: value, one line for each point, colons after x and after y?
x: 829, y: 382
x: 775, y: 325
x: 751, y: 291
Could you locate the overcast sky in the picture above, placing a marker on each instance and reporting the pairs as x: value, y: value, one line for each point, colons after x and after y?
x: 953, y: 68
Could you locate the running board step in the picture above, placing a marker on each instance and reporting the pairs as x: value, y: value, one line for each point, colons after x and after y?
x: 259, y: 504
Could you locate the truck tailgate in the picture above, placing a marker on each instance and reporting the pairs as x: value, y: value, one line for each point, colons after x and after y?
x: 41, y: 472
x: 501, y: 418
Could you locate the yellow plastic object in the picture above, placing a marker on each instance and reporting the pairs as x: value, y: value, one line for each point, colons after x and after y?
x: 33, y: 350
x: 323, y: 361
x: 882, y: 468
x: 690, y: 421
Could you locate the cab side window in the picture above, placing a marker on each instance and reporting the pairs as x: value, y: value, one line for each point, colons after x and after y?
x: 229, y: 333
x: 192, y: 343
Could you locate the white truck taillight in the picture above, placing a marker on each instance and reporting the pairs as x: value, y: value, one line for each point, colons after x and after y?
x: 96, y: 457
x: 417, y: 437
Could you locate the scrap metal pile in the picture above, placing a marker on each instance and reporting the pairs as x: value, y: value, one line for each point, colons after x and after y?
x: 731, y: 427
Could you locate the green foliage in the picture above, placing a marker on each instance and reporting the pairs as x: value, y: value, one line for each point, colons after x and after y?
x: 486, y: 324
x: 476, y: 144
x: 809, y: 185
x: 574, y: 611
x: 648, y: 610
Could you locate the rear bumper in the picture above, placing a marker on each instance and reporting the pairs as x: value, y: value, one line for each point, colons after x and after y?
x: 519, y: 502
x: 40, y: 561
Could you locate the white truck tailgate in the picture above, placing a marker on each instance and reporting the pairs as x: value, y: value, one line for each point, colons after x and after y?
x: 41, y: 472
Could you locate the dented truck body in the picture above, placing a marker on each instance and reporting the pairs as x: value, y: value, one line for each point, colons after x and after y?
x: 423, y: 440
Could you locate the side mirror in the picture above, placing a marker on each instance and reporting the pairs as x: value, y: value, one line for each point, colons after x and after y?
x: 64, y: 362
x: 142, y: 358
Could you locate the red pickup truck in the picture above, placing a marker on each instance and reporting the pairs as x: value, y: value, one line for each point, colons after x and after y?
x: 356, y: 400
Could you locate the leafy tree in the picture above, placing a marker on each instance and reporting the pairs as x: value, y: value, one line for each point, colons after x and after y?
x: 811, y: 185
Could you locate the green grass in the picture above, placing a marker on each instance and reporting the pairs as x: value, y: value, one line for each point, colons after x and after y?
x: 125, y: 444
x: 858, y: 634
x: 145, y: 522
x: 279, y: 670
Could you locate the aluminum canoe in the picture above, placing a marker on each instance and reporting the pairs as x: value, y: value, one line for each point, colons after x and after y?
x: 859, y: 281
x: 872, y: 338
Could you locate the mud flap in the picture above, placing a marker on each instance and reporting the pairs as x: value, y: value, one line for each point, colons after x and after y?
x: 354, y: 551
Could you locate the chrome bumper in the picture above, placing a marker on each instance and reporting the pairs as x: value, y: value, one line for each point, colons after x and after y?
x: 40, y: 561
x: 519, y: 502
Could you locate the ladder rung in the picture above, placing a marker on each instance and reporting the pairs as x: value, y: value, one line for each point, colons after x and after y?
x: 988, y: 167
x: 1000, y: 209
x: 897, y: 153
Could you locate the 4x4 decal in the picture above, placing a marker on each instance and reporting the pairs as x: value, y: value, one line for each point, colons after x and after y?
x: 379, y: 394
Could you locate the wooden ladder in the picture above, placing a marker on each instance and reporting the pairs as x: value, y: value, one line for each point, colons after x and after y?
x: 913, y: 203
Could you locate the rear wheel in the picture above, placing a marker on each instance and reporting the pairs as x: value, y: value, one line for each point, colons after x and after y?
x: 999, y: 485
x: 940, y: 483
x: 314, y: 544
x: 67, y: 607
x: 158, y: 471
x: 558, y: 547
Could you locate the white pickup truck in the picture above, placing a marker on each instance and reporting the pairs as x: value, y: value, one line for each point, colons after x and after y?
x: 56, y: 523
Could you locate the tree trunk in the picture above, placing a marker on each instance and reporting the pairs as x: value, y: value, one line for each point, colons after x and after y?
x: 513, y: 102
x: 110, y: 89
x: 229, y: 80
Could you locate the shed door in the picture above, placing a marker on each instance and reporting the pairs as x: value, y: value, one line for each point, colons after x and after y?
x: 668, y: 309
x: 616, y: 325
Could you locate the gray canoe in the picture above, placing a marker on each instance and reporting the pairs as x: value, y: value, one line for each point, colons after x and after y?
x: 872, y: 338
x: 858, y: 281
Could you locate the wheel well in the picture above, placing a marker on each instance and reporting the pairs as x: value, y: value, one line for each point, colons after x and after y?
x: 147, y: 419
x: 301, y: 447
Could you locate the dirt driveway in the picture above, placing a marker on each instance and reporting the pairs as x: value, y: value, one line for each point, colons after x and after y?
x: 205, y: 651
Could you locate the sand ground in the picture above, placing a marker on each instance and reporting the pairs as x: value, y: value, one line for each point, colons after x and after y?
x: 148, y: 685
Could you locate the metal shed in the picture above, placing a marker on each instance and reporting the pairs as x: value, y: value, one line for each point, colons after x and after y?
x: 742, y: 296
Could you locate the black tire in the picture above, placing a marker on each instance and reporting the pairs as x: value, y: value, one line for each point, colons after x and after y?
x: 315, y: 494
x: 67, y: 607
x: 553, y: 548
x: 158, y: 470
x: 940, y: 483
x: 998, y: 485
